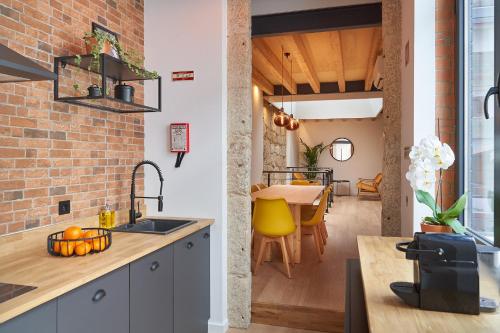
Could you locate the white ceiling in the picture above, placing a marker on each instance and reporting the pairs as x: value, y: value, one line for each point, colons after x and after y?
x: 334, y: 109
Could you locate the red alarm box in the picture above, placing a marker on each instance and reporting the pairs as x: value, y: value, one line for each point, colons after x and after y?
x: 179, y: 137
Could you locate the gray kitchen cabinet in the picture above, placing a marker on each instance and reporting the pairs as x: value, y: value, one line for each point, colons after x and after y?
x: 101, y: 305
x: 152, y: 293
x: 41, y: 319
x: 192, y: 283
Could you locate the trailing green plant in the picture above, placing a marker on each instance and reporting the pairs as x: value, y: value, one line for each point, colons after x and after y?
x: 311, y: 156
x: 133, y: 61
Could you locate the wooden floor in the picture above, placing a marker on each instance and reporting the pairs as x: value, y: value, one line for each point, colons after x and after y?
x: 315, y: 288
x: 258, y: 328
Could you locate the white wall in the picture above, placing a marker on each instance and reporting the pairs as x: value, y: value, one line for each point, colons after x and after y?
x: 263, y: 7
x: 292, y: 148
x: 417, y: 97
x: 191, y: 35
x: 257, y: 136
x: 366, y: 135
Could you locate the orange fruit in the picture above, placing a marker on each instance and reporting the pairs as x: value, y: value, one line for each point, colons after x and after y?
x: 99, y: 244
x: 73, y: 232
x: 90, y: 234
x: 82, y: 249
x: 56, y: 246
x: 67, y: 249
x: 77, y: 243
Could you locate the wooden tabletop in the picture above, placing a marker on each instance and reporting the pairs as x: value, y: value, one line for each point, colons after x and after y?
x: 293, y: 194
x: 382, y: 264
x: 24, y: 260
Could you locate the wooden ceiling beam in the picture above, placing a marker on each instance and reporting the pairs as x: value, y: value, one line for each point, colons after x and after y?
x: 262, y: 82
x: 336, y: 43
x: 374, y: 52
x: 261, y: 47
x: 304, y: 61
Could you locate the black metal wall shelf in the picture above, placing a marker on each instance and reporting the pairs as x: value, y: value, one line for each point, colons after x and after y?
x: 110, y: 68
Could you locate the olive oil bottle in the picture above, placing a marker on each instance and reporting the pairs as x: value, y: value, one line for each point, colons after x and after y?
x: 107, y: 217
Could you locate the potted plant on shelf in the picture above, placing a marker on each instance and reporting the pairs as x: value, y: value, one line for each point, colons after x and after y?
x: 311, y: 156
x: 98, y: 42
x: 428, y: 158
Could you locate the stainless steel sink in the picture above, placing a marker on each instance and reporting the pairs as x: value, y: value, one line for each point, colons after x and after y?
x: 154, y: 226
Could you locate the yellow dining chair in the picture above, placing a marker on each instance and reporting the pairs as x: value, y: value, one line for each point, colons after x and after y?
x: 304, y: 182
x: 307, y: 212
x: 273, y: 221
x: 254, y: 188
x: 298, y: 175
x: 315, y: 223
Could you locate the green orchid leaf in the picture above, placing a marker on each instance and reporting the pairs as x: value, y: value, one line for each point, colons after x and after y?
x: 455, y: 224
x: 431, y: 220
x: 427, y: 199
x: 456, y: 209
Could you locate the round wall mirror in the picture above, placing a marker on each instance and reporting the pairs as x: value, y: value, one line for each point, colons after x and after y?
x: 341, y: 149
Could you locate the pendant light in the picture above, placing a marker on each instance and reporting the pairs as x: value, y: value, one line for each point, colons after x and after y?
x: 293, y: 123
x: 281, y: 119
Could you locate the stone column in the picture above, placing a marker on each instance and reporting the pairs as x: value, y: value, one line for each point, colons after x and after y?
x: 274, y: 147
x: 239, y: 129
x: 391, y: 185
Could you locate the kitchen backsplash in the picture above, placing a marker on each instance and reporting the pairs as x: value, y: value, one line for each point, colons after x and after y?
x: 51, y: 151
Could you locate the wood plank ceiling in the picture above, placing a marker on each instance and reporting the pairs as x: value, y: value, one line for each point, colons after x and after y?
x: 323, y: 62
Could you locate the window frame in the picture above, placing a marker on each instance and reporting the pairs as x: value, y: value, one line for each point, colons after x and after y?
x: 461, y: 96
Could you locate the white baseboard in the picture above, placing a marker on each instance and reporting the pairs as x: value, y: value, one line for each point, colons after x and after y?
x: 217, y: 327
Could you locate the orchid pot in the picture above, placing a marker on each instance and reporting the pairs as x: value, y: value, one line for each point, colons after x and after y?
x: 429, y: 160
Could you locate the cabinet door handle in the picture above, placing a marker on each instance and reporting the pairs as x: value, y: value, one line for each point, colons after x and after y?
x: 154, y: 266
x: 206, y: 235
x: 189, y: 245
x: 98, y: 295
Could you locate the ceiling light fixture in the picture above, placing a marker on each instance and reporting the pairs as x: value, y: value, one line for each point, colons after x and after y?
x: 293, y: 123
x: 281, y: 119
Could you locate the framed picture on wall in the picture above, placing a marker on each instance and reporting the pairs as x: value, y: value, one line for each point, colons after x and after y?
x: 112, y: 35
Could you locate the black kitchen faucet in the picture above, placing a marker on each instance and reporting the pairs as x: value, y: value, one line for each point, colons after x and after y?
x: 132, y: 214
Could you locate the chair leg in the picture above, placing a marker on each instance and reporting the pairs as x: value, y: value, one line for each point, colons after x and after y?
x: 288, y: 248
x: 260, y: 254
x: 324, y: 232
x: 320, y: 238
x: 252, y: 243
x: 284, y: 251
x: 317, y: 243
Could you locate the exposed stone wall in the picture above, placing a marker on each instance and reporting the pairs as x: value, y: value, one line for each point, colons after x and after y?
x: 391, y: 185
x: 239, y: 130
x: 274, y: 146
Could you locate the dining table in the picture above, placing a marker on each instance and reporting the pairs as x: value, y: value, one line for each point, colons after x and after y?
x: 296, y: 196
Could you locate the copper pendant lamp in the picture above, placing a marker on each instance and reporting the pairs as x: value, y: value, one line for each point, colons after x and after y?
x: 281, y: 119
x: 293, y: 123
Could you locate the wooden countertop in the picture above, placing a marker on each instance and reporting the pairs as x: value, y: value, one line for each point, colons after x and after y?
x: 382, y: 264
x: 24, y: 260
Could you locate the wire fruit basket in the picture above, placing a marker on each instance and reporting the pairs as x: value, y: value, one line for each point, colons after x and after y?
x: 60, y: 247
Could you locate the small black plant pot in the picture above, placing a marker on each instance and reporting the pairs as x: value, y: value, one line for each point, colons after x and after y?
x: 94, y: 91
x: 124, y: 92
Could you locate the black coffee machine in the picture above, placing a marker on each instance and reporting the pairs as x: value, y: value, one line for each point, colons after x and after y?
x: 446, y: 276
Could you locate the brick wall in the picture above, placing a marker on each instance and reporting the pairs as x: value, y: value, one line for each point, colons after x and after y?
x: 445, y: 87
x: 51, y: 151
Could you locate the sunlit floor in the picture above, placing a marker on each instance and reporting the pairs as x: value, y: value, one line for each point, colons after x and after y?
x: 314, y: 284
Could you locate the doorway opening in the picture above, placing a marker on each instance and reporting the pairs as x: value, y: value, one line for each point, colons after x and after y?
x: 331, y: 79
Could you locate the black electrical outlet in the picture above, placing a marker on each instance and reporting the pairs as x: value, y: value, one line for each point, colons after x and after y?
x: 64, y: 207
